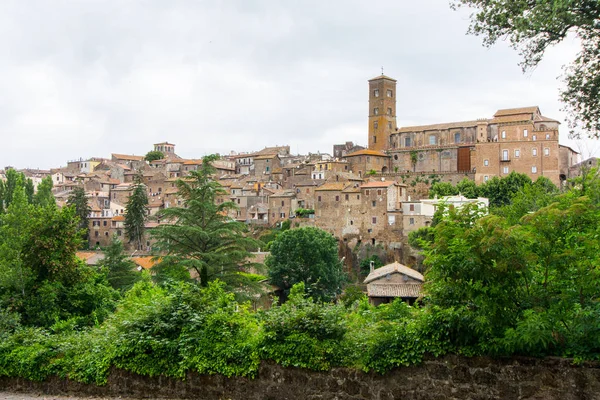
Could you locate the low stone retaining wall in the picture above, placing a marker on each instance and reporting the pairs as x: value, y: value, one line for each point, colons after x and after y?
x: 449, y: 377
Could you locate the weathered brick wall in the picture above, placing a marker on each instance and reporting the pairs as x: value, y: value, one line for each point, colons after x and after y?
x: 447, y: 378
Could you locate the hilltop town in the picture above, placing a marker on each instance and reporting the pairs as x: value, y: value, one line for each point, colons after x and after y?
x: 374, y: 195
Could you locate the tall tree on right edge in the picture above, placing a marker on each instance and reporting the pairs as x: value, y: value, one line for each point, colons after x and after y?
x: 136, y: 213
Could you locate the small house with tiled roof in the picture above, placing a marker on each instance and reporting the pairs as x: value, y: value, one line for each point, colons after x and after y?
x: 393, y: 281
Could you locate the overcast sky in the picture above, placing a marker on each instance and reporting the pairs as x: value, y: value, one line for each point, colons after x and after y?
x: 88, y: 78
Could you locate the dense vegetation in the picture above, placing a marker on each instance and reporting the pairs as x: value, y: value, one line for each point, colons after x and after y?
x: 524, y: 280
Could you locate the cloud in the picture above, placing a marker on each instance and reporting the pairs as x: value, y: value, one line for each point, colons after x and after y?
x: 81, y: 79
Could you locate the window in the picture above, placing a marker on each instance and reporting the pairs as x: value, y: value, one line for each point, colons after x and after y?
x: 105, y: 233
x: 412, y: 207
x: 282, y: 203
x: 376, y: 92
x: 534, y: 169
x: 517, y: 153
x: 374, y: 203
x: 505, y: 170
x: 407, y: 142
x: 546, y: 151
x: 534, y: 137
x: 485, y: 178
x: 104, y: 223
x: 347, y: 197
x: 375, y: 125
x: 267, y: 169
x: 379, y: 192
x: 389, y: 111
x: 525, y: 133
x: 368, y: 159
x: 119, y: 232
x: 504, y: 155
x: 337, y: 198
x: 374, y: 139
x: 547, y: 136
x: 396, y: 157
x: 432, y: 140
x: 457, y: 137
x: 358, y: 197
x: 389, y: 125
x: 534, y: 152
x: 389, y: 93
x: 282, y: 215
x: 374, y: 220
x: 376, y: 111
x: 411, y: 221
x: 503, y: 135
x: 486, y: 162
x: 319, y: 198
x: 308, y: 190
x: 96, y: 234
x: 351, y: 222
x: 367, y: 192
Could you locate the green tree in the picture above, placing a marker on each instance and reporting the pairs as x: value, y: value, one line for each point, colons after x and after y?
x: 121, y: 272
x: 441, y: 189
x: 365, y: 265
x: 154, y: 155
x: 136, y: 212
x: 199, y: 236
x: 78, y: 200
x: 29, y: 190
x: 44, y: 197
x: 11, y: 184
x: 532, y: 26
x: 501, y: 190
x: 467, y: 188
x: 2, y: 196
x: 308, y: 255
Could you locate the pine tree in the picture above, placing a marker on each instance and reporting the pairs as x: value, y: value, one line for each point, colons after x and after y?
x: 199, y: 235
x: 82, y: 210
x: 136, y: 213
x: 120, y: 270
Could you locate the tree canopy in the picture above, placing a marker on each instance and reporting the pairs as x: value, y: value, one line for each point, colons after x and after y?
x: 306, y: 255
x: 534, y: 25
x: 78, y: 201
x: 136, y: 212
x: 154, y: 155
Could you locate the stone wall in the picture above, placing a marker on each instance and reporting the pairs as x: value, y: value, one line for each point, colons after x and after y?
x: 449, y: 378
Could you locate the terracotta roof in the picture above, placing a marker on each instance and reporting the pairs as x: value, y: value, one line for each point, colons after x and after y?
x: 192, y: 162
x: 394, y: 290
x: 516, y: 111
x: 441, y: 126
x: 382, y: 76
x: 367, y: 153
x: 546, y: 119
x: 376, y: 184
x: 333, y: 186
x: 145, y: 262
x: 351, y: 189
x: 392, y: 268
x: 125, y: 167
x: 90, y: 257
x: 128, y: 157
x: 265, y: 157
x: 118, y: 218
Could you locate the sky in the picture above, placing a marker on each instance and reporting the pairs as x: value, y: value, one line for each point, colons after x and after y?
x: 87, y: 78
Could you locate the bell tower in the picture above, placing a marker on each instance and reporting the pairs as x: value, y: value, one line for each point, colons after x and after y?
x: 382, y: 111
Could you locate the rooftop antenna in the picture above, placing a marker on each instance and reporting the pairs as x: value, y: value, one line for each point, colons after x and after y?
x: 382, y: 70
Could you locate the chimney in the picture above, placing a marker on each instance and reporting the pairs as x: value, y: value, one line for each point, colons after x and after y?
x: 372, y: 266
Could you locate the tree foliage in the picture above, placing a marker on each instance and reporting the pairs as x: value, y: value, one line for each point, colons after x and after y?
x: 154, y: 155
x: 308, y: 255
x: 44, y: 197
x: 120, y: 270
x: 532, y: 26
x: 136, y: 212
x: 79, y: 202
x: 199, y: 235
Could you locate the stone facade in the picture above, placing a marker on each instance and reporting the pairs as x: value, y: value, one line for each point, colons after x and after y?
x: 448, y: 378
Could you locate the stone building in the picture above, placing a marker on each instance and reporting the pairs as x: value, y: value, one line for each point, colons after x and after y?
x: 515, y: 139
